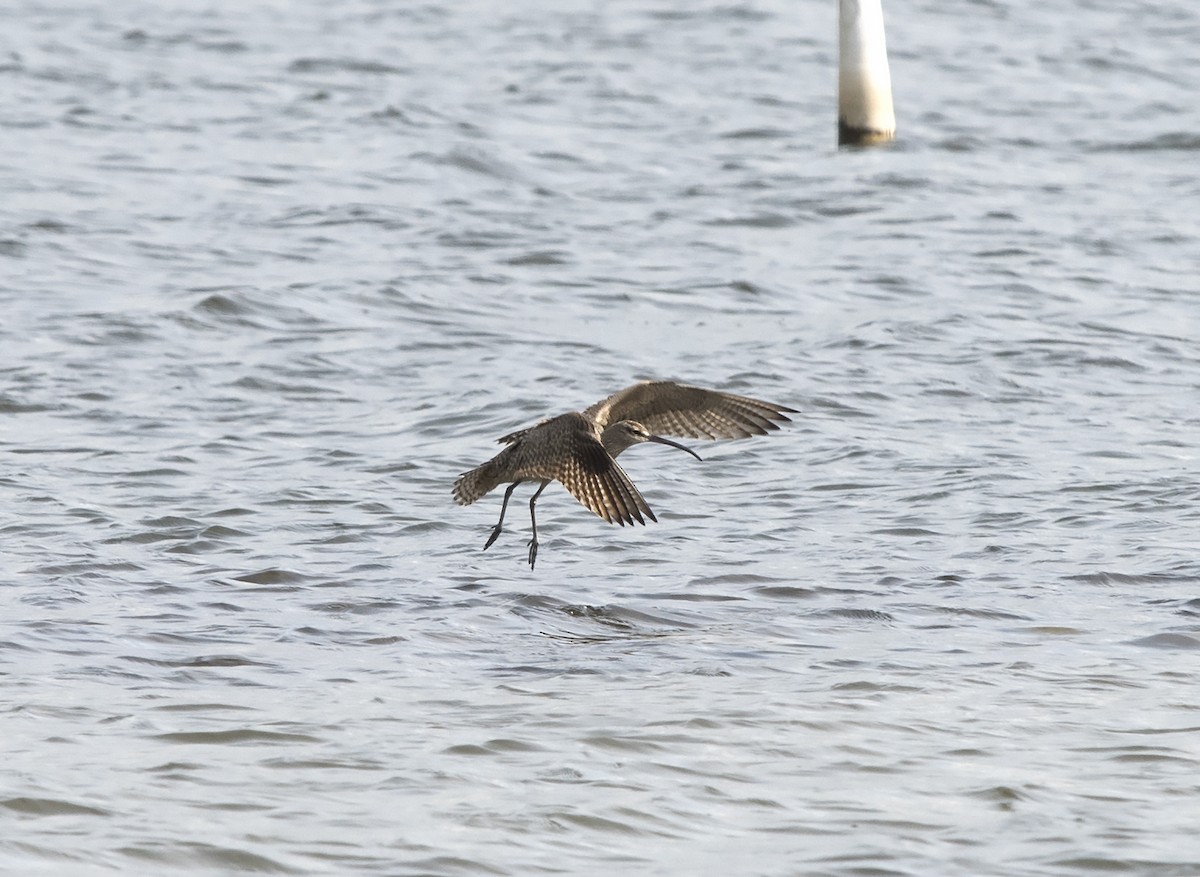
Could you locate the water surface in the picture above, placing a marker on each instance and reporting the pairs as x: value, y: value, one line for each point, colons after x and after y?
x: 272, y: 277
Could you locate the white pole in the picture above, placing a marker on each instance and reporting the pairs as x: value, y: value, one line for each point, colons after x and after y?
x: 865, y: 114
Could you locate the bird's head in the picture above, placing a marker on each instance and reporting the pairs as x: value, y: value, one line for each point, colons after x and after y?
x: 627, y: 433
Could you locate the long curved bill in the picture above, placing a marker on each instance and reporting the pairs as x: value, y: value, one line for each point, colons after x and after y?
x: 662, y: 441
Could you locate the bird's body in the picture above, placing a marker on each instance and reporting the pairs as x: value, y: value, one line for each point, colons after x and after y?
x: 567, y: 448
x: 579, y: 449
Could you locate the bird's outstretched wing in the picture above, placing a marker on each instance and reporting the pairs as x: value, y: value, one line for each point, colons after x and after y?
x: 600, y: 484
x: 668, y: 408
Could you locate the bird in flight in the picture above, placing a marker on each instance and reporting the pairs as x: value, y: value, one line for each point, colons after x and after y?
x: 579, y: 449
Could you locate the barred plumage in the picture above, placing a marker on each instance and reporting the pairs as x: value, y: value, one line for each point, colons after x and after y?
x: 690, y: 412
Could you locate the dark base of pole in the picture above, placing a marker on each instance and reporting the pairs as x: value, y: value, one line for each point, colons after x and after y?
x: 854, y: 136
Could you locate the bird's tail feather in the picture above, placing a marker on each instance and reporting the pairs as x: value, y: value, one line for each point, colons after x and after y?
x: 472, y: 485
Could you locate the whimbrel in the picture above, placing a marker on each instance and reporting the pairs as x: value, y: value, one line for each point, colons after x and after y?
x: 579, y: 449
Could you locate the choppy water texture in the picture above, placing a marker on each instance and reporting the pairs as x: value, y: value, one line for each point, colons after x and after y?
x: 274, y: 274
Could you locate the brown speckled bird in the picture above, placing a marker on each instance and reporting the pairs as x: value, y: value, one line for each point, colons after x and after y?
x: 579, y: 449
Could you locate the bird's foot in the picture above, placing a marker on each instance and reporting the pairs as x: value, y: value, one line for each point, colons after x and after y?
x: 533, y: 544
x: 492, y: 538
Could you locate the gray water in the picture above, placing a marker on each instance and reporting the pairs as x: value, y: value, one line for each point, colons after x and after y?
x: 272, y: 275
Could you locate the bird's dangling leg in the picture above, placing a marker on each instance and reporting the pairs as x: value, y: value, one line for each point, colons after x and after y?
x: 500, y: 523
x: 533, y: 543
